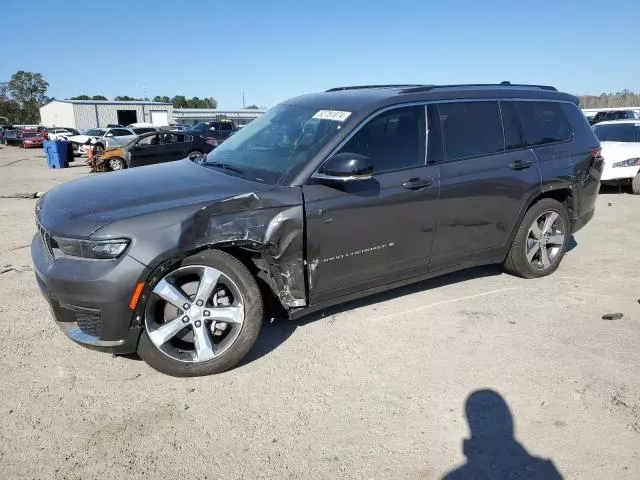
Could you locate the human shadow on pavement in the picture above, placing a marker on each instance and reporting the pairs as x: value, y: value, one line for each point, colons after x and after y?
x: 492, y: 451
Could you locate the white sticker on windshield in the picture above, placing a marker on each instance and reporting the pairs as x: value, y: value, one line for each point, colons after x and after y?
x: 335, y: 115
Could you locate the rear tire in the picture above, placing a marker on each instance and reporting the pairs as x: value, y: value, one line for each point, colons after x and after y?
x: 183, y: 360
x: 635, y: 184
x: 193, y: 154
x: 541, y: 240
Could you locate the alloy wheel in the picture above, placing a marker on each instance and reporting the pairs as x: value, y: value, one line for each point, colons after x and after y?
x: 195, y: 314
x: 545, y: 240
x: 116, y: 164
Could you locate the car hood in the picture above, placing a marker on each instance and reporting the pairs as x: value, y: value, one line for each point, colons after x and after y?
x: 80, y: 207
x: 615, y: 151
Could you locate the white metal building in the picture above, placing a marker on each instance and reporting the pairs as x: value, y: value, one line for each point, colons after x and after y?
x: 193, y: 115
x: 85, y: 114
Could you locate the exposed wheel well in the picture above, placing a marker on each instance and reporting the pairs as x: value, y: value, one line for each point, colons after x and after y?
x: 272, y: 305
x: 563, y: 195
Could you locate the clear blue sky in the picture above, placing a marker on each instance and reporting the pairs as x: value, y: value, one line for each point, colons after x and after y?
x: 272, y: 50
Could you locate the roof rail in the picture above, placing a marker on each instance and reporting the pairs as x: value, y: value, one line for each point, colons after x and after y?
x: 359, y: 87
x: 426, y: 88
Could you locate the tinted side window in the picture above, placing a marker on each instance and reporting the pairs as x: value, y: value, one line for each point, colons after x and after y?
x: 513, y: 136
x: 544, y: 122
x: 120, y: 132
x: 393, y: 140
x: 173, y: 138
x: 471, y: 129
x: 148, y: 141
x: 625, y: 132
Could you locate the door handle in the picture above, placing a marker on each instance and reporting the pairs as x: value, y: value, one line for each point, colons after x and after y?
x: 519, y: 165
x: 417, y: 183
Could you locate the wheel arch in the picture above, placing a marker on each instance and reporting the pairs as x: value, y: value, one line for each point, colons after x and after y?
x: 253, y: 255
x: 563, y: 194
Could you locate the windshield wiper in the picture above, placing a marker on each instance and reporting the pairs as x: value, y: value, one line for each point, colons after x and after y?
x: 225, y: 166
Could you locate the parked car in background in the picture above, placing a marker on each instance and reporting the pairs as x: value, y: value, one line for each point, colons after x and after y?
x: 102, y: 138
x: 34, y: 128
x: 59, y: 133
x: 620, y: 140
x: 12, y: 137
x: 220, y: 130
x: 33, y: 139
x: 178, y: 126
x: 323, y: 199
x: 4, y: 129
x: 155, y: 147
x: 622, y: 114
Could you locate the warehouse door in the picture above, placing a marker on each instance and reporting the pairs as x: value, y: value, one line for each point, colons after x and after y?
x: 159, y: 118
x: 127, y: 117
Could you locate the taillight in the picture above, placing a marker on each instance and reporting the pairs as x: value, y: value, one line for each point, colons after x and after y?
x: 211, y: 141
x: 596, y: 153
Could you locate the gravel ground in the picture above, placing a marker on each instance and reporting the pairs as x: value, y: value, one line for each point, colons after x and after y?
x: 374, y: 390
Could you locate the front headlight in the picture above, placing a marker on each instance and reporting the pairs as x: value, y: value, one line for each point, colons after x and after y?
x: 632, y: 162
x: 96, y: 249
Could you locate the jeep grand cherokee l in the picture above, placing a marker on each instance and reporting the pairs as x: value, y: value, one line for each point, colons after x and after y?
x: 324, y: 198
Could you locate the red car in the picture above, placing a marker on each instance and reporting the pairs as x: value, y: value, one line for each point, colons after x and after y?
x: 32, y: 139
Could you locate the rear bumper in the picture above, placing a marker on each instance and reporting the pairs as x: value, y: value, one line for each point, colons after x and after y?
x: 581, y: 221
x: 89, y: 298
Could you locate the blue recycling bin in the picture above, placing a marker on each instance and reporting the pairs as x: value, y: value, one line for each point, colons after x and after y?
x: 56, y: 153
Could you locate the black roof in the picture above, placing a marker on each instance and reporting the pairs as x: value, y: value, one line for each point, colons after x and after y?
x: 368, y: 97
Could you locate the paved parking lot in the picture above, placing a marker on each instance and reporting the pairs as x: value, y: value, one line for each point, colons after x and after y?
x: 377, y: 389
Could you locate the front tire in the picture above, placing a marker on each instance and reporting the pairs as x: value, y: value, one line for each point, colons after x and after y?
x: 116, y: 163
x: 635, y: 184
x: 541, y: 240
x: 202, y: 317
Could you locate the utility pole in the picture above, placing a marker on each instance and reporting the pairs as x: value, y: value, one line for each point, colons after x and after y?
x: 243, y: 104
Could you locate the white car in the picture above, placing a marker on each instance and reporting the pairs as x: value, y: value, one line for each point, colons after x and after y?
x: 59, y: 133
x: 103, y: 138
x: 620, y: 141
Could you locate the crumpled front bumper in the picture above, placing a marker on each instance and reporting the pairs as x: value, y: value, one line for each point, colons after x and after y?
x: 89, y: 299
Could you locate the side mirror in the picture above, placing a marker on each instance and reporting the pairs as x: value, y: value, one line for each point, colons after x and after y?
x: 345, y: 167
x: 109, y: 134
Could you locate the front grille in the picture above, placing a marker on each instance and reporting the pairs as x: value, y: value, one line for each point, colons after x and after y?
x: 46, y: 240
x: 89, y: 322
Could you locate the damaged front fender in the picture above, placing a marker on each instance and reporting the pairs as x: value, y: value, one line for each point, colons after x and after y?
x: 269, y: 223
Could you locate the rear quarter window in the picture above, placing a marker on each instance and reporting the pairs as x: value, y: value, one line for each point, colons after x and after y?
x: 470, y: 129
x: 544, y: 123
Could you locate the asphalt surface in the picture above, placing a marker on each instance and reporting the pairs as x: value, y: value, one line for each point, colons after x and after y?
x: 376, y: 389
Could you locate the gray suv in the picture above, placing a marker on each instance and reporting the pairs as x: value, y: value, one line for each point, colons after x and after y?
x: 324, y: 198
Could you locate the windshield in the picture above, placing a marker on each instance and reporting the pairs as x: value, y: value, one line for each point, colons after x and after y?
x: 30, y: 134
x: 624, y: 132
x: 285, y: 137
x: 95, y: 132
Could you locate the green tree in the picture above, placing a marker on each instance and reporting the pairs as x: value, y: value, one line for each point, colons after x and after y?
x: 163, y: 99
x: 125, y: 98
x: 179, y: 101
x: 253, y: 107
x: 27, y: 87
x: 81, y: 97
x: 9, y: 108
x: 98, y: 97
x: 625, y: 98
x: 22, y: 96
